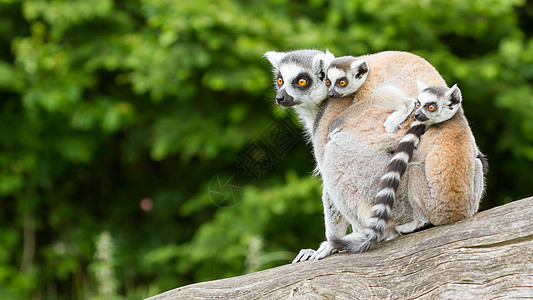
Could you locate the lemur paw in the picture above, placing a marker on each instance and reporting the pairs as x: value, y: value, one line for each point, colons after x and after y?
x: 405, y: 228
x: 305, y: 254
x: 410, y: 227
x: 390, y: 127
x: 324, y: 250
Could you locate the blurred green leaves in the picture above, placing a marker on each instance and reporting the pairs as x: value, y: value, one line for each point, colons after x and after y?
x: 106, y: 104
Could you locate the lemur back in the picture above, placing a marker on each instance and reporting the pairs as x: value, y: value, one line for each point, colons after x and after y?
x: 435, y: 105
x: 347, y: 74
x: 403, y: 69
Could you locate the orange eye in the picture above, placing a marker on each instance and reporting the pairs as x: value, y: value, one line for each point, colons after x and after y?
x: 280, y: 81
x: 328, y: 83
x: 418, y: 105
x: 302, y: 82
x: 342, y: 83
x: 432, y: 107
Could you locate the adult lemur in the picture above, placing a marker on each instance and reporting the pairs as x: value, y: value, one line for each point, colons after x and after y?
x: 434, y: 106
x: 352, y: 162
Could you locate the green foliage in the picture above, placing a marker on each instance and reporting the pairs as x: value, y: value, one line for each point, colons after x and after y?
x: 117, y: 116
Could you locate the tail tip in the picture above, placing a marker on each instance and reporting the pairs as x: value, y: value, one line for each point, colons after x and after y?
x: 354, y: 244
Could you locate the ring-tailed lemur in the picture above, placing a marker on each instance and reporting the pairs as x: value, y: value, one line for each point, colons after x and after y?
x: 350, y: 164
x: 299, y: 77
x: 435, y: 105
x: 345, y: 76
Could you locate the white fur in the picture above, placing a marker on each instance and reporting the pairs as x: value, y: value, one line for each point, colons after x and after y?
x: 274, y: 58
x: 322, y: 61
x: 386, y: 96
x: 289, y: 72
x: 355, y: 65
x: 381, y: 208
x: 334, y: 74
x: 386, y: 192
x: 410, y: 138
x: 309, y: 99
x: 305, y: 254
x: 391, y: 175
x: 378, y: 224
x: 453, y: 89
x: 410, y: 226
x: 389, y: 97
x: 324, y: 250
x: 421, y: 85
x: 401, y: 156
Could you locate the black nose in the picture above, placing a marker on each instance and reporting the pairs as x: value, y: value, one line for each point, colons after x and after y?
x: 284, y: 99
x: 420, y: 116
x: 334, y: 94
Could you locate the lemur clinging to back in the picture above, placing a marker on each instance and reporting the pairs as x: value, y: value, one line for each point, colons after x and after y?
x: 345, y: 76
x: 435, y: 105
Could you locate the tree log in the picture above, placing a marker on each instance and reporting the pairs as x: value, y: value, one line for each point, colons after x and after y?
x: 489, y: 255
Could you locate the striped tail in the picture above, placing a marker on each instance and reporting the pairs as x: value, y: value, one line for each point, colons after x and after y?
x: 381, y: 210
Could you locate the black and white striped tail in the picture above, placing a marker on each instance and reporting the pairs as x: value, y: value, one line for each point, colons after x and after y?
x: 364, y: 240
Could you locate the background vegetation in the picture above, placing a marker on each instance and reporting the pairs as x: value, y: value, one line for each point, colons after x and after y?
x: 123, y: 122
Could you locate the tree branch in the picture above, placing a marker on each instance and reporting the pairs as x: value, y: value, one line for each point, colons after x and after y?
x: 487, y: 255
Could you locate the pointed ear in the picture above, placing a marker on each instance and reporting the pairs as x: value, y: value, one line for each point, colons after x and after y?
x: 321, y: 63
x: 454, y: 95
x: 274, y: 57
x: 421, y: 86
x: 328, y: 57
x: 359, y: 68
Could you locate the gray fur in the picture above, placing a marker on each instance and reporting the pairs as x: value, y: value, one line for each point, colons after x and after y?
x: 437, y: 90
x: 303, y: 58
x: 343, y: 63
x: 362, y: 167
x: 484, y: 162
x: 350, y: 167
x: 290, y: 66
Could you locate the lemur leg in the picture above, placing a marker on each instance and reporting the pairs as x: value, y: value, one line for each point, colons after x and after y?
x: 418, y: 192
x: 336, y: 226
x: 429, y: 206
x: 456, y: 185
x: 397, y: 117
x: 390, y: 97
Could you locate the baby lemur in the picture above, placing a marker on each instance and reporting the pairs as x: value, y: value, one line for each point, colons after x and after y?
x: 345, y: 76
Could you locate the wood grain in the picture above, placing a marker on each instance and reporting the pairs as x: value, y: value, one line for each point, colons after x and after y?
x: 487, y: 256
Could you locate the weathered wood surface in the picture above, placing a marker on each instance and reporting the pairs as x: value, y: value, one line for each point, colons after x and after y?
x: 487, y: 256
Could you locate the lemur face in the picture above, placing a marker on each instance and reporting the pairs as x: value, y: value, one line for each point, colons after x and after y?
x: 300, y: 76
x: 345, y: 76
x: 437, y: 104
